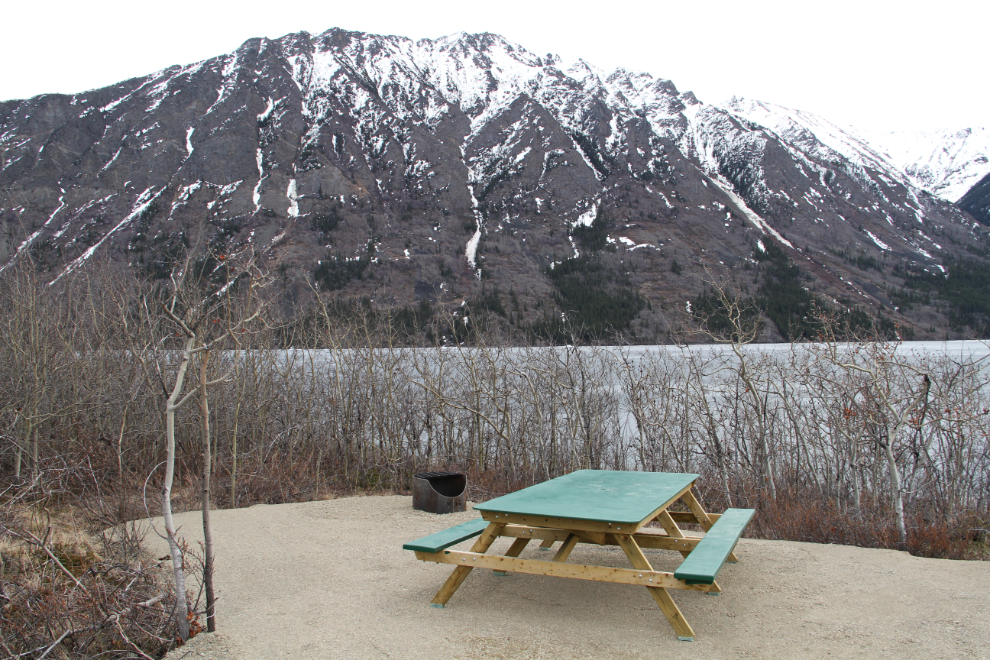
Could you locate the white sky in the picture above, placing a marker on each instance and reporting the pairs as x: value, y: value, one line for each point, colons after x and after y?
x: 874, y: 64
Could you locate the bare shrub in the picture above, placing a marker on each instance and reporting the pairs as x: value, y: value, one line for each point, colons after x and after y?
x: 318, y: 403
x: 70, y: 590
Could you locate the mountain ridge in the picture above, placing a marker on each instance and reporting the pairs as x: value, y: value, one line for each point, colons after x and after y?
x: 444, y: 169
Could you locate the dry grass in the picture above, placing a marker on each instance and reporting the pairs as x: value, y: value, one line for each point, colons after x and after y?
x: 71, y: 589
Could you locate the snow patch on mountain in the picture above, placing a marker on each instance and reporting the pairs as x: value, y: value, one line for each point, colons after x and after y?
x: 946, y: 163
x: 880, y: 244
x: 757, y: 221
x: 290, y: 193
x: 586, y: 218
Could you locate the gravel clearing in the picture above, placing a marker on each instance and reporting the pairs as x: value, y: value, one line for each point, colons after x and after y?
x: 329, y: 579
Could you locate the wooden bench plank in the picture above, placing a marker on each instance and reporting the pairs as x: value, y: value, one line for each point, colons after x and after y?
x: 707, y: 558
x: 448, y: 537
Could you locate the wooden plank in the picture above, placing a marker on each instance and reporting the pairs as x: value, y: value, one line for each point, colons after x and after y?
x: 653, y: 531
x: 660, y: 595
x: 707, y: 558
x: 547, y: 535
x: 570, y: 524
x: 657, y: 542
x: 683, y: 517
x: 566, y: 548
x: 548, y: 543
x: 688, y: 517
x: 647, y: 537
x: 461, y: 572
x: 595, y: 538
x: 448, y: 537
x: 622, y: 498
x: 642, y: 578
x: 515, y: 549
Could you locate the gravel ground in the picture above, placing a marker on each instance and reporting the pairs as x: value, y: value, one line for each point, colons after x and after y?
x: 330, y: 580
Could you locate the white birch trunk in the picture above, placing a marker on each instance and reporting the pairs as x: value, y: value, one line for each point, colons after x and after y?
x: 181, y: 607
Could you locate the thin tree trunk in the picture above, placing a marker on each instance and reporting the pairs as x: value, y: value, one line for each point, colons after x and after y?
x: 120, y: 458
x: 35, y: 464
x: 760, y: 422
x: 855, y: 472
x: 18, y: 455
x: 896, y: 494
x: 233, y: 459
x: 181, y: 607
x: 233, y: 439
x: 204, y: 405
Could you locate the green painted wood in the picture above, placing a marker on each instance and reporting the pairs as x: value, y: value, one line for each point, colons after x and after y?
x: 707, y: 558
x: 448, y: 537
x: 599, y: 495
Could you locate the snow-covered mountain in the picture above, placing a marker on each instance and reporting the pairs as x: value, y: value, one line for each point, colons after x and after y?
x: 456, y: 168
x: 818, y: 136
x: 947, y: 163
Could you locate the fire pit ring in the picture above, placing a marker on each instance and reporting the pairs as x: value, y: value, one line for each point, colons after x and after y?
x: 439, y: 492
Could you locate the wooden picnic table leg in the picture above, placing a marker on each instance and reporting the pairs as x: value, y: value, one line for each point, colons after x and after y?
x: 660, y: 595
x: 547, y: 544
x: 514, y: 550
x: 706, y: 523
x: 457, y: 577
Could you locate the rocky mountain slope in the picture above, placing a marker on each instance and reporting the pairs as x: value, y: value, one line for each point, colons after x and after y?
x: 977, y: 201
x: 470, y: 171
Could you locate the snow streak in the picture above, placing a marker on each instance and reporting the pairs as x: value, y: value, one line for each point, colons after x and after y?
x: 143, y: 201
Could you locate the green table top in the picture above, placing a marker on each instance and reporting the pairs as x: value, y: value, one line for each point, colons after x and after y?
x: 599, y: 495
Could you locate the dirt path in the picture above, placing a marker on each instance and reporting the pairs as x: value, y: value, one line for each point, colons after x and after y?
x: 330, y: 580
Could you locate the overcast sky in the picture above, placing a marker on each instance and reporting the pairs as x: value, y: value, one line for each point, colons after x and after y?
x: 875, y: 64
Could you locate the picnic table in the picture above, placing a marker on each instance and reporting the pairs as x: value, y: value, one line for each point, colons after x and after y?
x: 599, y: 507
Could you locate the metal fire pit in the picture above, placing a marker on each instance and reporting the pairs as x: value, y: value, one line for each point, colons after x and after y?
x: 439, y: 492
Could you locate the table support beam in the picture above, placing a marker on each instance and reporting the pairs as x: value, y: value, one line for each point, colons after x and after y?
x: 461, y: 572
x: 660, y: 595
x: 566, y: 548
x: 673, y: 531
x: 651, y: 540
x: 515, y: 550
x: 641, y: 578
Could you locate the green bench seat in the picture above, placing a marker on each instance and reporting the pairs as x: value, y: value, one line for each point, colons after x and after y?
x: 448, y: 537
x: 707, y: 558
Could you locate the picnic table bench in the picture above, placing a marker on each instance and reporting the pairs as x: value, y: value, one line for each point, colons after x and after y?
x: 603, y: 508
